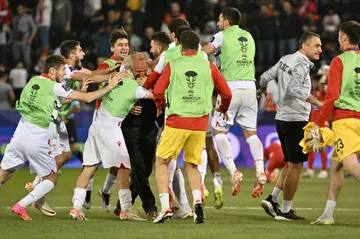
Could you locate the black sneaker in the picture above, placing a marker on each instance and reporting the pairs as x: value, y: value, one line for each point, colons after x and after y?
x: 198, y: 213
x: 271, y: 208
x: 105, y: 200
x: 289, y: 216
x: 117, y: 209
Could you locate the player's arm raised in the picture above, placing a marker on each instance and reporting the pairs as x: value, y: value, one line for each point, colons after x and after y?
x: 155, y: 74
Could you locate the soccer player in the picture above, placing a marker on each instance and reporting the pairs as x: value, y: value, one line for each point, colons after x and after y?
x: 160, y: 42
x: 189, y: 81
x: 275, y: 156
x: 293, y: 111
x: 319, y: 93
x: 238, y: 68
x: 36, y: 105
x: 119, y: 46
x: 105, y: 144
x: 342, y: 99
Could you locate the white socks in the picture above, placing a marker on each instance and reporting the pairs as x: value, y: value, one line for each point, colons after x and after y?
x: 225, y: 151
x: 125, y: 199
x: 164, y: 200
x: 196, y: 196
x: 40, y: 191
x: 109, y: 182
x: 217, y: 180
x: 179, y: 188
x: 203, y: 166
x: 79, y: 198
x: 36, y: 181
x: 171, y: 172
x: 329, y: 209
x: 257, y: 152
x: 90, y: 184
x: 275, y: 194
x: 286, y: 206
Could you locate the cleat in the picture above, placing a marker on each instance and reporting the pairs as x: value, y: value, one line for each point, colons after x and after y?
x: 29, y: 187
x: 271, y: 208
x: 130, y: 216
x: 322, y: 174
x: 289, y: 216
x: 21, y: 212
x: 259, y: 186
x: 105, y: 200
x: 173, y: 201
x: 204, y: 194
x: 44, y: 208
x: 183, y: 213
x: 235, y: 181
x: 87, y: 203
x: 198, y: 213
x: 167, y: 214
x: 218, y: 198
x: 151, y: 216
x: 309, y: 173
x: 77, y: 214
x: 117, y: 209
x: 323, y: 221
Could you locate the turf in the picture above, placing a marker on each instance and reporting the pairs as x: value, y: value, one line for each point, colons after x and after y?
x: 241, y: 216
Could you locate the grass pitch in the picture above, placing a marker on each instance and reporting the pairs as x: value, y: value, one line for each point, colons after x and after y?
x: 241, y: 216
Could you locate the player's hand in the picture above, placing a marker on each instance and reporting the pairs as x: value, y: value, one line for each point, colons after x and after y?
x: 225, y: 115
x: 112, y: 69
x: 320, y: 103
x: 115, y: 80
x: 136, y: 110
x: 261, y: 92
x: 85, y: 84
x: 141, y: 80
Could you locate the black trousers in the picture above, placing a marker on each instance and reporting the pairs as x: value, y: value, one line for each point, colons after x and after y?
x: 141, y: 146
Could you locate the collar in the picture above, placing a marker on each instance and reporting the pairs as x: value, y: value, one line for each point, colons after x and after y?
x: 47, y: 76
x: 232, y: 27
x: 171, y: 45
x: 189, y: 53
x: 115, y: 58
x: 352, y: 48
x: 311, y: 64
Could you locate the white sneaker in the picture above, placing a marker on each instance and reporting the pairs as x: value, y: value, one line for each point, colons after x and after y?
x: 323, y: 174
x: 309, y: 173
x: 44, y: 208
x: 183, y: 212
x: 77, y: 214
x: 322, y: 221
x: 163, y: 215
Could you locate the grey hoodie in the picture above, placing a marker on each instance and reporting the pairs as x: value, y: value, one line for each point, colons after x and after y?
x: 293, y: 74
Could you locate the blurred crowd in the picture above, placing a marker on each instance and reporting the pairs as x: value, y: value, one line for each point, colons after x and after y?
x: 32, y: 29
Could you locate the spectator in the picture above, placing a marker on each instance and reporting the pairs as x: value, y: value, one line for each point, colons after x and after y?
x: 290, y: 29
x: 6, y: 15
x: 5, y: 39
x: 145, y: 46
x: 113, y: 19
x: 331, y: 23
x: 7, y: 96
x: 175, y: 11
x: 306, y: 8
x: 43, y: 20
x: 101, y: 39
x: 18, y: 78
x: 24, y: 32
x: 61, y: 22
x: 135, y: 41
x: 209, y: 31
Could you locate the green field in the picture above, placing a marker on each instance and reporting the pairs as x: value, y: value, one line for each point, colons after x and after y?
x: 241, y: 216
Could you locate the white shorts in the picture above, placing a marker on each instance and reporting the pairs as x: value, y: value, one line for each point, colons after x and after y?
x: 243, y: 109
x: 39, y: 154
x: 60, y: 138
x: 105, y: 144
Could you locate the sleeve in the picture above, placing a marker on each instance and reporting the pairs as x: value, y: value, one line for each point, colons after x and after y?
x: 122, y: 68
x: 161, y: 86
x: 151, y: 80
x: 62, y: 90
x: 141, y: 93
x: 269, y: 75
x: 161, y: 63
x: 221, y: 87
x: 103, y: 66
x: 217, y: 40
x: 299, y: 73
x: 332, y: 92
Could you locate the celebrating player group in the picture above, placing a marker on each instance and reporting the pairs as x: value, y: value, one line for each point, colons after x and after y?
x: 194, y: 104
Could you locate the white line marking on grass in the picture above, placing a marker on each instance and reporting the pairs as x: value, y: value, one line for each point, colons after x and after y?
x: 62, y: 208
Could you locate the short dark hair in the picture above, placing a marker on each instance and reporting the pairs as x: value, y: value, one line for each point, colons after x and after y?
x: 231, y: 14
x: 175, y: 23
x: 190, y: 40
x: 180, y: 30
x: 352, y: 30
x: 162, y: 38
x: 54, y: 61
x: 116, y: 35
x: 307, y: 36
x: 67, y: 47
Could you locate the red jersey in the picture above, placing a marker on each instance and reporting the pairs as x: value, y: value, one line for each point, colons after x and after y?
x: 274, y: 152
x: 315, y: 111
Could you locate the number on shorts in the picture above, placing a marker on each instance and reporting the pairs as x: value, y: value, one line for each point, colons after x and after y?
x: 339, y: 145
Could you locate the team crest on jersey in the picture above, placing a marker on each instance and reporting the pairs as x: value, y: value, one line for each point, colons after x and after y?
x: 34, y: 92
x: 65, y: 87
x: 243, y: 44
x: 191, y: 79
x: 357, y: 74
